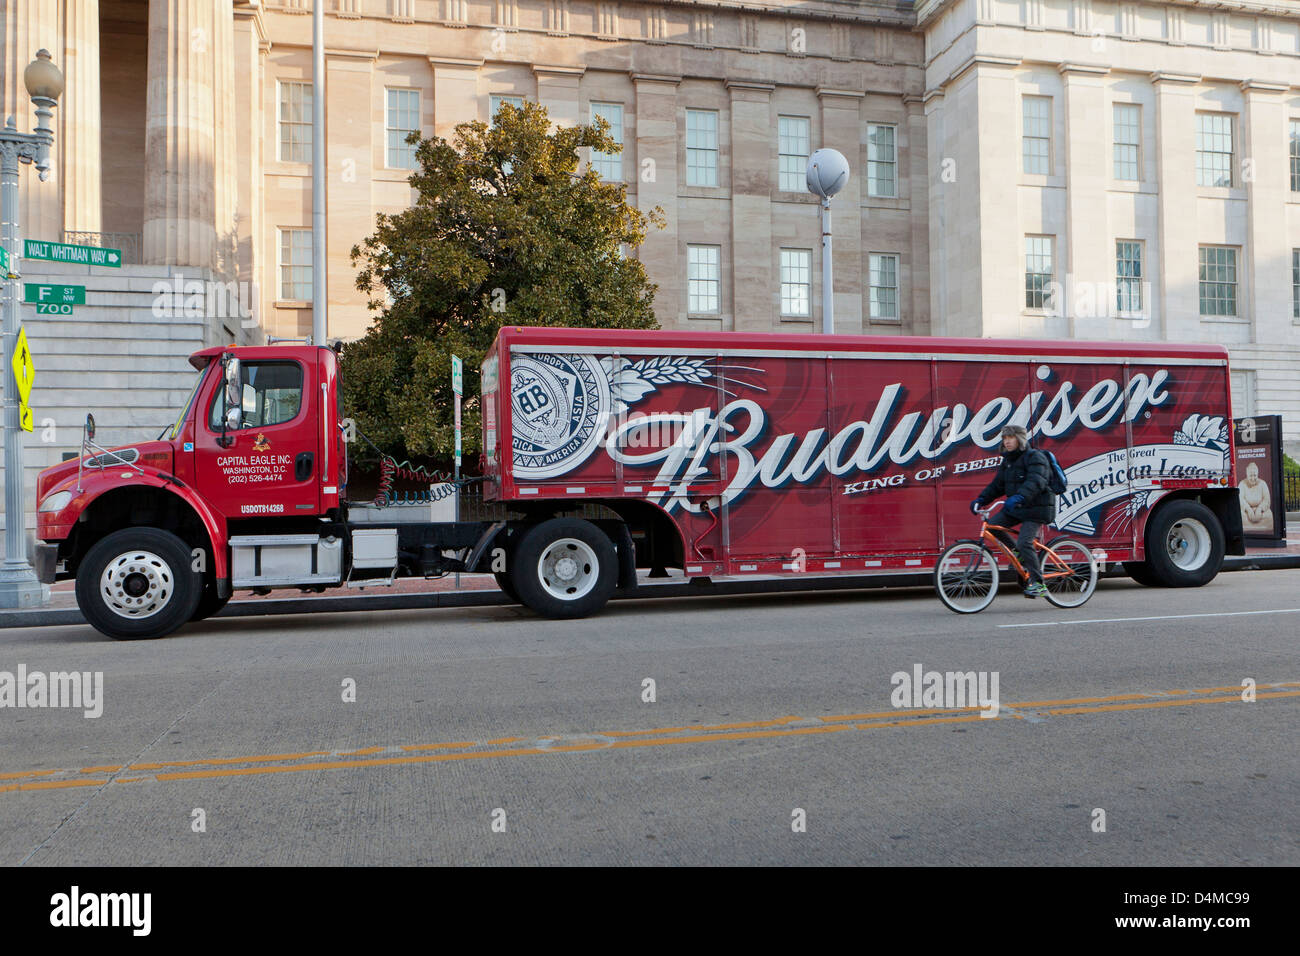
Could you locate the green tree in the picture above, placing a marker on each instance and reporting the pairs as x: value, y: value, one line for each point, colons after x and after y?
x: 504, y: 230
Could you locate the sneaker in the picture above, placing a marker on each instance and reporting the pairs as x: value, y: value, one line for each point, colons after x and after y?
x: 1037, y: 589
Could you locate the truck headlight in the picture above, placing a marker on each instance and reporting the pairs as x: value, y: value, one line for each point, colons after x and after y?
x: 56, y: 502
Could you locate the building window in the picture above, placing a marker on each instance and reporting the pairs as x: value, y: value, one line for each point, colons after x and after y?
x: 796, y: 282
x: 609, y: 165
x: 295, y: 264
x: 1213, y: 149
x: 403, y: 120
x: 1128, y: 276
x: 1218, y: 280
x: 1036, y: 144
x: 1038, y: 272
x: 883, y: 273
x: 496, y: 101
x: 701, y: 147
x: 794, y: 138
x: 1128, y: 137
x: 1295, y: 155
x: 882, y: 161
x: 703, y: 279
x: 295, y: 122
x: 1295, y: 283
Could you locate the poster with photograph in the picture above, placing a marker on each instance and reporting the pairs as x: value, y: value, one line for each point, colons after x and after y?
x: 1259, y: 477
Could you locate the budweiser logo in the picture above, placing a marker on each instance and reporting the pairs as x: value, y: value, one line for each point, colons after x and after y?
x: 705, y: 437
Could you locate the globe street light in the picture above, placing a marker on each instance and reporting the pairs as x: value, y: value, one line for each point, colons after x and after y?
x: 828, y: 172
x: 18, y: 584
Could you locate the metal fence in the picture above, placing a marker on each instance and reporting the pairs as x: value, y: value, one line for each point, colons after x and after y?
x: 1291, y: 490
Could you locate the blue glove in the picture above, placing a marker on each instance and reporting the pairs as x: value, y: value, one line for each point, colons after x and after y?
x: 1014, y: 502
x: 975, y: 506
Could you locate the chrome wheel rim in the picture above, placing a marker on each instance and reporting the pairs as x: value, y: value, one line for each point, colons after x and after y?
x: 1188, y: 544
x: 1073, y: 589
x: 568, y: 569
x: 967, y: 578
x: 136, y: 585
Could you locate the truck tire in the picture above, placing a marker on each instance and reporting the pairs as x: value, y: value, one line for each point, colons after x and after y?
x: 138, y: 584
x: 1140, y: 572
x: 209, y: 604
x: 565, y: 568
x: 1185, y: 545
x: 507, y: 586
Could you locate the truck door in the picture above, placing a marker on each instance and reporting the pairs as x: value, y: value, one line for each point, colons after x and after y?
x: 269, y: 465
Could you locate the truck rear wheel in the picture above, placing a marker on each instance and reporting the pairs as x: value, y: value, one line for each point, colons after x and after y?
x: 137, y: 584
x: 565, y: 568
x: 1185, y: 545
x: 1140, y: 572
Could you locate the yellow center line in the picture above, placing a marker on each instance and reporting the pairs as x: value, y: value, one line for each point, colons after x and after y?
x: 614, y: 740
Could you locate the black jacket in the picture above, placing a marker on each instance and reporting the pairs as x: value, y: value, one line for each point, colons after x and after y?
x: 1026, y: 473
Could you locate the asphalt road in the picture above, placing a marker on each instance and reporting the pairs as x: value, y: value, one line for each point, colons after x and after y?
x: 487, y: 735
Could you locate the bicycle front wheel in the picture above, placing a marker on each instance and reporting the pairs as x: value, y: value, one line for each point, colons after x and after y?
x: 1069, y: 572
x: 966, y: 577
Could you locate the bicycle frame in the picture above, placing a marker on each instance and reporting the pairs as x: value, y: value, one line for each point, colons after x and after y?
x: 1060, y: 568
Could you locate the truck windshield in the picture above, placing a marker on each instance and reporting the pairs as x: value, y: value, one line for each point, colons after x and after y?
x: 180, y: 419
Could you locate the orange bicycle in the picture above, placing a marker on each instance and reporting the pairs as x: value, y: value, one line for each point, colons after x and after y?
x: 966, y: 575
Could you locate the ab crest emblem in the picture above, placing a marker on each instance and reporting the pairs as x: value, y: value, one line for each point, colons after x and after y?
x: 559, y: 408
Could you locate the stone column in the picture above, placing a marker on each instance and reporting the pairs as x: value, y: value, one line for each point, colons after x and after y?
x: 1267, y: 179
x: 557, y: 90
x: 28, y: 26
x: 917, y: 321
x: 180, y: 150
x: 350, y: 172
x: 249, y: 140
x: 79, y: 151
x: 841, y: 116
x: 1176, y: 177
x: 225, y: 198
x: 656, y: 171
x: 753, y: 158
x: 996, y: 231
x: 455, y: 94
x: 1089, y: 247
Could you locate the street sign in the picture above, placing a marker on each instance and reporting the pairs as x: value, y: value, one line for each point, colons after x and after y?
x: 41, y: 294
x: 457, y: 376
x: 25, y: 416
x: 66, y: 252
x: 24, y: 370
x: 4, y: 261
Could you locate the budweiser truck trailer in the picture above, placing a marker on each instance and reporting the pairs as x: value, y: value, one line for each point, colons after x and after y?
x: 716, y: 453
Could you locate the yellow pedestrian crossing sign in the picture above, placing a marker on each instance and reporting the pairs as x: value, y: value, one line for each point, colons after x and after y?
x: 24, y: 370
x: 24, y: 376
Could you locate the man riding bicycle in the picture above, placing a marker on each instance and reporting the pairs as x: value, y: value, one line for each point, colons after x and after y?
x: 1023, y: 478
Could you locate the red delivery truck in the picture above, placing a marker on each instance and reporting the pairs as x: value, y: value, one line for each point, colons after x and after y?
x: 722, y: 454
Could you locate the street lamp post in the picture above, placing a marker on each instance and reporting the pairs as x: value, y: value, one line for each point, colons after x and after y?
x: 18, y: 584
x: 828, y: 171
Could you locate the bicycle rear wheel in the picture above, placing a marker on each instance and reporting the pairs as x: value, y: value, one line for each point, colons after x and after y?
x: 966, y: 577
x: 1069, y: 572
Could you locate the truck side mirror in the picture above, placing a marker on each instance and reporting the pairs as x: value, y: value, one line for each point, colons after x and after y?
x: 232, y: 409
x: 234, y: 417
x: 90, y: 427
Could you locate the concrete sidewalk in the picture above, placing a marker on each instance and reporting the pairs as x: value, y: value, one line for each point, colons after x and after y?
x: 477, y: 590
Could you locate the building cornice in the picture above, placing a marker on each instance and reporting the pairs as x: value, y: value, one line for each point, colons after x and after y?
x: 655, y: 78
x: 1094, y: 69
x: 469, y: 64
x: 1260, y: 86
x: 926, y: 11
x: 1186, y: 79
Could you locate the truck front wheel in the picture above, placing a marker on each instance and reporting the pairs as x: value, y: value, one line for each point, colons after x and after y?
x: 1185, y: 545
x: 138, y: 583
x: 565, y: 568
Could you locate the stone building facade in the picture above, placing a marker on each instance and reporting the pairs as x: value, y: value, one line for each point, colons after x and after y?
x: 1143, y: 157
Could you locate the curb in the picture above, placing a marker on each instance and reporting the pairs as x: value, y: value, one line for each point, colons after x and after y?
x: 317, y: 604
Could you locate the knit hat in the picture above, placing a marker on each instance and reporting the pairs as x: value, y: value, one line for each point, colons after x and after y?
x: 1019, y: 431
